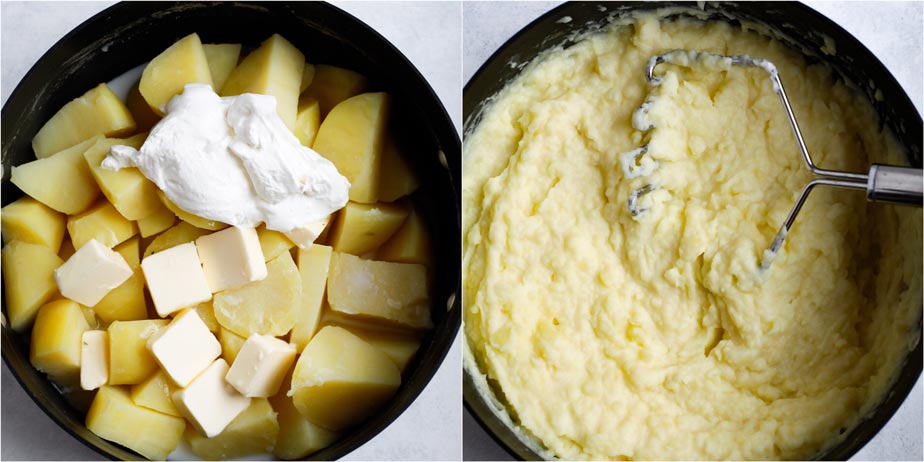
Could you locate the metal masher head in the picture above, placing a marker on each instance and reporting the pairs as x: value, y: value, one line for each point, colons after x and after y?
x: 883, y: 183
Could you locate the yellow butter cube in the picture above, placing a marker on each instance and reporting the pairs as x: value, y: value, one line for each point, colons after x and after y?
x: 55, y: 348
x: 164, y: 77
x: 101, y: 222
x: 156, y: 393
x: 61, y: 181
x: 130, y: 362
x: 360, y: 228
x: 114, y: 417
x: 28, y: 279
x: 98, y: 112
x: 28, y: 220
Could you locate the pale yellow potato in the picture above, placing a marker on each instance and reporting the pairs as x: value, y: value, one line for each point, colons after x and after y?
x: 194, y: 220
x: 308, y: 120
x: 98, y: 112
x: 128, y: 190
x: 160, y: 220
x: 307, y: 77
x: 56, y: 339
x: 67, y: 248
x: 124, y: 303
x: 273, y: 243
x: 101, y: 222
x: 231, y: 344
x: 222, y: 59
x: 298, y: 436
x: 397, y: 177
x: 340, y: 380
x: 28, y: 220
x: 61, y: 181
x: 130, y: 362
x: 145, y: 117
x: 392, y: 292
x: 28, y: 280
x: 352, y: 136
x: 114, y: 417
x: 410, y: 244
x: 92, y: 320
x: 399, y: 347
x: 130, y: 250
x: 251, y: 432
x: 155, y: 393
x: 181, y: 233
x: 182, y: 63
x: 331, y: 85
x: 360, y: 228
x: 274, y: 69
x: 313, y: 266
x: 207, y: 314
x: 265, y: 307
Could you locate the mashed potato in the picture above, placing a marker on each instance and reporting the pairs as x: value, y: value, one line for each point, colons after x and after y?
x: 610, y: 336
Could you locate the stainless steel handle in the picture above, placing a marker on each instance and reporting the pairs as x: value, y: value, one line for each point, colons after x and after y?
x: 899, y: 185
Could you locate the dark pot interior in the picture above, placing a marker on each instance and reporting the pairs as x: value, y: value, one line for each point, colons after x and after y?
x: 798, y: 26
x: 129, y: 34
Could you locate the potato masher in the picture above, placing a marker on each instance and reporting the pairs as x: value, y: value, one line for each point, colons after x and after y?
x: 883, y: 183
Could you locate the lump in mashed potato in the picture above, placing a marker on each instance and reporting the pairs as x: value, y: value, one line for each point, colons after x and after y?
x: 656, y: 337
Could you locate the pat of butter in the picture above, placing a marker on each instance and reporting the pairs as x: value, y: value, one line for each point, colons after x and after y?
x: 94, y: 359
x: 231, y: 258
x: 260, y: 366
x: 304, y: 236
x: 185, y: 347
x: 91, y: 272
x: 209, y: 402
x: 175, y: 279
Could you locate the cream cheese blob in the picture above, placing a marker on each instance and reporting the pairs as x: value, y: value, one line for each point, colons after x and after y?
x: 233, y: 160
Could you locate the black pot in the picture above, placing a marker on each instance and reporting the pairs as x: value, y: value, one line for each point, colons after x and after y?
x: 801, y: 28
x: 129, y: 34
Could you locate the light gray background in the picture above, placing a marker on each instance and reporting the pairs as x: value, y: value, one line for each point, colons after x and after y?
x: 891, y: 30
x: 429, y: 34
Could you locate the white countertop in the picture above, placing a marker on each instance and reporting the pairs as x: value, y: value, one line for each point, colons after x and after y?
x: 891, y: 30
x: 429, y: 35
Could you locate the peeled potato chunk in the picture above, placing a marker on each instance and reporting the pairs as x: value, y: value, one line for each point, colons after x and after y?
x: 130, y: 250
x: 163, y: 218
x: 298, y: 436
x: 273, y: 243
x: 352, y: 137
x: 274, y: 69
x: 165, y: 76
x: 29, y: 281
x: 103, y: 223
x: 363, y: 227
x: 400, y: 347
x: 397, y: 177
x: 156, y: 393
x: 182, y: 233
x: 313, y: 266
x: 98, y: 112
x: 145, y: 117
x: 265, y: 307
x: 56, y: 339
x: 307, y: 121
x: 207, y: 315
x: 391, y: 292
x: 62, y: 181
x: 114, y: 417
x: 231, y: 344
x: 340, y: 380
x: 194, y: 220
x: 28, y: 220
x: 331, y: 85
x: 222, y: 59
x: 124, y: 303
x: 128, y: 190
x: 251, y: 432
x: 307, y: 77
x: 130, y: 362
x: 411, y: 244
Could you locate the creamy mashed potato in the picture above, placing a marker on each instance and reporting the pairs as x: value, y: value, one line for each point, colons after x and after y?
x: 658, y: 337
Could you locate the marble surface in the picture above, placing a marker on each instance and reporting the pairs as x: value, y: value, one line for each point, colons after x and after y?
x: 891, y: 30
x: 429, y: 34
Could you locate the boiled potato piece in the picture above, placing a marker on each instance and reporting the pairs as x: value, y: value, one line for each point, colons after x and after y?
x: 101, y: 222
x: 265, y: 307
x: 67, y: 249
x: 308, y: 120
x: 124, y: 303
x: 397, y: 177
x: 222, y: 59
x: 130, y: 250
x: 62, y: 181
x: 231, y: 344
x: 393, y: 292
x: 28, y: 220
x: 400, y: 347
x: 207, y: 315
x: 155, y: 393
x: 313, y: 265
x: 130, y: 362
x: 340, y: 380
x: 251, y: 432
x: 90, y: 316
x: 98, y: 112
x: 360, y: 228
x: 298, y: 436
x: 128, y: 190
x: 182, y: 233
x: 331, y: 85
x: 352, y: 137
x: 56, y: 339
x: 29, y: 280
x: 114, y: 417
x: 145, y: 117
x: 165, y: 76
x: 194, y: 220
x: 411, y: 244
x: 163, y: 218
x: 307, y: 77
x: 274, y: 69
x: 273, y: 243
